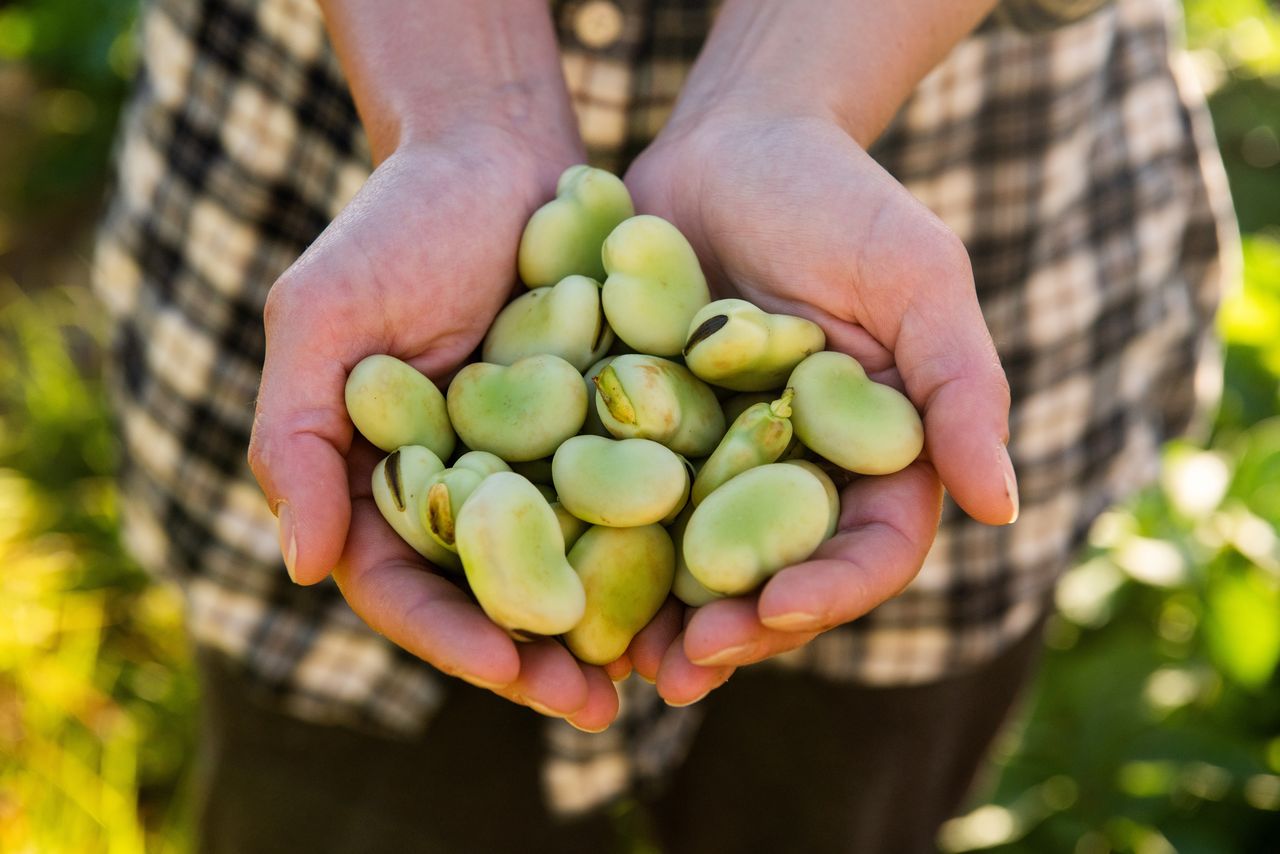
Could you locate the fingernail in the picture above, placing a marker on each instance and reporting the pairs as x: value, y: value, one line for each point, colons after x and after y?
x: 288, y: 540
x: 585, y: 729
x: 1010, y: 482
x: 793, y: 621
x: 724, y: 656
x: 646, y: 678
x: 541, y: 709
x: 688, y: 703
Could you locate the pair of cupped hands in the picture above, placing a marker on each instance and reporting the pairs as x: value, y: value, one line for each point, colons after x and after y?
x: 787, y: 212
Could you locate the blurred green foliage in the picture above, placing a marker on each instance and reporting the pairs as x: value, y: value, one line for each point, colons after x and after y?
x: 97, y: 692
x: 65, y: 67
x: 1154, y: 726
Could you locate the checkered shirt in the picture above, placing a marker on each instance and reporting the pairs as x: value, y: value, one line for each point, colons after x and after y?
x: 1059, y: 141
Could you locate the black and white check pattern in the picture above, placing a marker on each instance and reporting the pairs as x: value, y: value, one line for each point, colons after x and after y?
x: 1074, y: 160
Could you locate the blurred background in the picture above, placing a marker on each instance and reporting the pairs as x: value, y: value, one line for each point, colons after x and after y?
x: 1153, y: 727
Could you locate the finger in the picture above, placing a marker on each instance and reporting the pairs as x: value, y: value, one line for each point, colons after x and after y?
x: 301, y: 434
x: 952, y: 373
x: 602, y: 702
x: 391, y: 589
x: 651, y: 643
x: 550, y: 680
x: 681, y: 682
x: 886, y: 528
x: 729, y: 632
x: 619, y: 668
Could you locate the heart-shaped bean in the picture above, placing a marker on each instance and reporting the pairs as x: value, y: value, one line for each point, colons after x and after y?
x: 619, y: 483
x: 564, y: 236
x: 736, y: 345
x: 842, y: 415
x: 626, y: 573
x: 766, y: 518
x: 654, y: 285
x: 513, y: 554
x: 400, y: 492
x: 520, y: 412
x: 393, y: 405
x: 648, y: 397
x: 565, y: 320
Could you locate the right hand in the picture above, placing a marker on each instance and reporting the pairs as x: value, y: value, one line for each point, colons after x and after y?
x: 416, y: 266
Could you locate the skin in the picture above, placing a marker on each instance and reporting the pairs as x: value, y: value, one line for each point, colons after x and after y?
x: 763, y: 167
x: 483, y: 136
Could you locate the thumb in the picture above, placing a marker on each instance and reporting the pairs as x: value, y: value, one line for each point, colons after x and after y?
x: 301, y: 435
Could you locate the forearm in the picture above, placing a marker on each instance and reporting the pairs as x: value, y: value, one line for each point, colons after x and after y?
x: 855, y: 60
x: 421, y: 68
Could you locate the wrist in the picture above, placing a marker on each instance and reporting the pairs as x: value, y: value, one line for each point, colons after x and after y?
x: 852, y: 62
x: 421, y: 69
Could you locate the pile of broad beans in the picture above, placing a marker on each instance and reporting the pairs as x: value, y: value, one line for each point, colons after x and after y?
x: 624, y: 437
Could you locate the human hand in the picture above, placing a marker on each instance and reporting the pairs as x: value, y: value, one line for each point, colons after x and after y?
x: 416, y: 266
x: 787, y: 210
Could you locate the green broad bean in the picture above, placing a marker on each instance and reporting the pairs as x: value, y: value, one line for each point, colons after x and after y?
x: 564, y: 236
x: 565, y: 320
x: 570, y: 525
x: 740, y: 403
x: 593, y: 424
x: 845, y: 417
x: 736, y: 345
x: 758, y: 436
x: 627, y: 574
x: 448, y: 490
x: 520, y: 412
x: 648, y: 397
x: 654, y: 285
x: 392, y: 404
x: 514, y: 557
x: 400, y: 491
x: 619, y: 483
x: 766, y: 518
x: 833, y: 494
x: 684, y: 586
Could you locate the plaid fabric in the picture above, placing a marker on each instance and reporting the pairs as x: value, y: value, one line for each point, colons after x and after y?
x: 1075, y: 163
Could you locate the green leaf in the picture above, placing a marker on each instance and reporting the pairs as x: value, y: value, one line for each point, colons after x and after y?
x: 1243, y: 628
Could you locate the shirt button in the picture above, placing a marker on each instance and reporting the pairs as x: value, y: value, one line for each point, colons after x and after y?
x: 597, y: 24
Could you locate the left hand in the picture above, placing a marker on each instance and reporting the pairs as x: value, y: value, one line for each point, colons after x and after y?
x: 789, y: 212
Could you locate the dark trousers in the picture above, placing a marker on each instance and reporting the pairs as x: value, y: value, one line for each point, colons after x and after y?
x: 784, y: 762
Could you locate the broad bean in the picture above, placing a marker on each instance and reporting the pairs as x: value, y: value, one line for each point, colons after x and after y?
x: 766, y: 518
x: 514, y: 557
x: 619, y: 483
x: 565, y: 320
x: 648, y: 397
x: 654, y: 285
x: 844, y: 416
x: 520, y: 412
x: 627, y: 574
x: 564, y: 236
x: 392, y: 404
x: 737, y: 345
